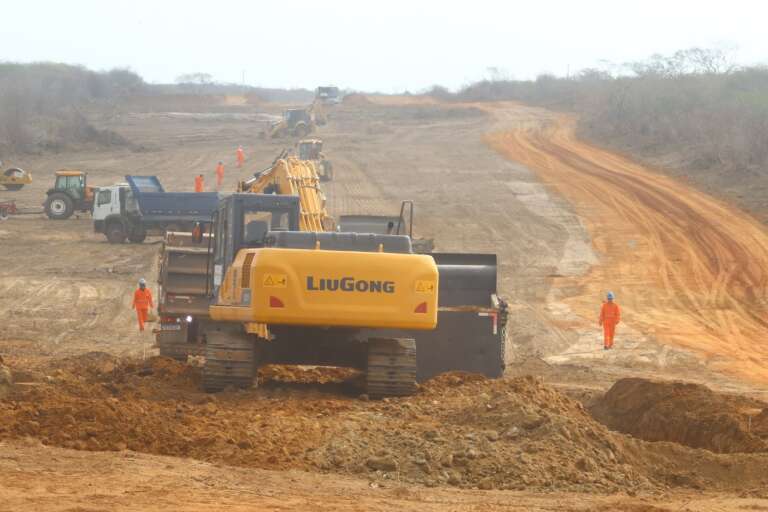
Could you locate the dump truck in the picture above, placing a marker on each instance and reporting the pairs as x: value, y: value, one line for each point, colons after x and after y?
x: 70, y: 194
x: 328, y: 94
x: 271, y: 284
x: 141, y: 206
x: 312, y: 150
x: 14, y: 178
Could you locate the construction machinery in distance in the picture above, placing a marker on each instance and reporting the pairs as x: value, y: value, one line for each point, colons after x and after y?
x: 312, y: 150
x: 69, y: 194
x: 274, y: 282
x: 295, y: 122
x: 329, y: 95
x: 15, y: 178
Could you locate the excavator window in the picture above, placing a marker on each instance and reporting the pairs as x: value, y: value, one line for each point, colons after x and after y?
x: 275, y: 221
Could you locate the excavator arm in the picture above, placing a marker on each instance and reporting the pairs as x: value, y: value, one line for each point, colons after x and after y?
x: 293, y: 177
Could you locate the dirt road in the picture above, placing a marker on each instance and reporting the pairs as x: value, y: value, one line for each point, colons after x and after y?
x: 689, y: 270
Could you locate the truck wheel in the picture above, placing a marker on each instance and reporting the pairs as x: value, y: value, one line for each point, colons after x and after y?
x: 4, y: 214
x: 137, y: 236
x: 59, y: 206
x: 115, y: 233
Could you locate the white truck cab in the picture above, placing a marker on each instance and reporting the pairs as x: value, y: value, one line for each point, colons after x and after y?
x: 114, y: 211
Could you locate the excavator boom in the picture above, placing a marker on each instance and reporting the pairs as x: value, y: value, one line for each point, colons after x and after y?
x: 290, y: 176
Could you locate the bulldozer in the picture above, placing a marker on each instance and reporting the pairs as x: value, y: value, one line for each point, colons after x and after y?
x: 14, y: 179
x: 70, y: 193
x: 274, y: 282
x: 295, y: 122
x: 312, y: 150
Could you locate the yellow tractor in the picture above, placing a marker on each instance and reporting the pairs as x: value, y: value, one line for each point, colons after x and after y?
x: 275, y: 283
x: 295, y: 122
x: 312, y: 151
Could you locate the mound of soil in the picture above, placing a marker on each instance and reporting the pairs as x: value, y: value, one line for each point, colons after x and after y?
x: 459, y: 430
x: 685, y: 413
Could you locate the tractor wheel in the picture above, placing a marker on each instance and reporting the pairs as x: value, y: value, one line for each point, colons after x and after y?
x: 137, y: 236
x: 59, y: 206
x: 115, y: 233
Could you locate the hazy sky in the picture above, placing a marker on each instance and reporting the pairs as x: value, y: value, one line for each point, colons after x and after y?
x: 385, y: 45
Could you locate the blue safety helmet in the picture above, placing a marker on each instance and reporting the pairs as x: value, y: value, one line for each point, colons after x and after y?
x: 610, y: 296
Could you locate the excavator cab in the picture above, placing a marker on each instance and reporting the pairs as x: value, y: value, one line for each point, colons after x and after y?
x: 242, y: 222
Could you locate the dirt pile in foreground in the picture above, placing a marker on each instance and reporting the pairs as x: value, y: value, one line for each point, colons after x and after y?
x: 685, y: 413
x: 460, y: 430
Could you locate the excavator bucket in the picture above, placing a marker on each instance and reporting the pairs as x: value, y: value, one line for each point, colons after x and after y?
x: 471, y: 323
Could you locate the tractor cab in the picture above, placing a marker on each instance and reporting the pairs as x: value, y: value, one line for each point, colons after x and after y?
x: 71, y: 182
x: 310, y: 149
x: 295, y: 116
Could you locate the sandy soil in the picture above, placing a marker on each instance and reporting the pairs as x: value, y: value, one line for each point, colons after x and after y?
x: 36, y: 477
x: 599, y: 221
x: 688, y: 269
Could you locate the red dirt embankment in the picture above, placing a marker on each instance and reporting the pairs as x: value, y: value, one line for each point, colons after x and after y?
x: 459, y: 430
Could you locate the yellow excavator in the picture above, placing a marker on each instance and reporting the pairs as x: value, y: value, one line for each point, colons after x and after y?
x: 312, y: 150
x: 275, y: 283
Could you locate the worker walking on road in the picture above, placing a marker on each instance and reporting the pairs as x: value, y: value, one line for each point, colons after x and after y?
x: 610, y: 316
x: 219, y: 175
x: 142, y: 302
x: 199, y: 183
x: 240, y: 156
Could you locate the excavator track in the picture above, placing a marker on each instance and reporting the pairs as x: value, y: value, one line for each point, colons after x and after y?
x: 173, y: 345
x: 230, y: 360
x: 391, y: 367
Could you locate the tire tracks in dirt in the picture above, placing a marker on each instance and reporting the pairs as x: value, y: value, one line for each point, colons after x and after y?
x: 689, y: 269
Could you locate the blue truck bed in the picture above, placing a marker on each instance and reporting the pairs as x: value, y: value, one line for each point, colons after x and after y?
x: 157, y: 205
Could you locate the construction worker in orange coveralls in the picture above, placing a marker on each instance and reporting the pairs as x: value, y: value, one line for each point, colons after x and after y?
x: 610, y: 316
x: 219, y: 175
x: 142, y: 302
x: 199, y: 183
x: 240, y: 156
